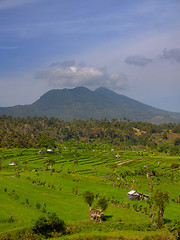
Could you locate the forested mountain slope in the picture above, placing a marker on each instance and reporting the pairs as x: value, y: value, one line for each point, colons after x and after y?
x: 82, y: 103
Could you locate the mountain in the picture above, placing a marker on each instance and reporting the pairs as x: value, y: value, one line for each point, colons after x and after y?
x: 82, y: 103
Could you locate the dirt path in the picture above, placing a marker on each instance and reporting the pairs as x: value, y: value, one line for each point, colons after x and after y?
x: 121, y: 163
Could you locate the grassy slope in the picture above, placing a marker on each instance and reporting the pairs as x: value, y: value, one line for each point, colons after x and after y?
x: 89, y: 174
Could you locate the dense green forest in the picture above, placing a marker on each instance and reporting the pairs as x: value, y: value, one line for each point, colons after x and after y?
x: 46, y: 132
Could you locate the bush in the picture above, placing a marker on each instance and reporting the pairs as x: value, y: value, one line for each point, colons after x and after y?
x: 21, y: 235
x: 16, y: 197
x: 46, y: 226
x: 38, y: 205
x: 11, y: 219
x: 177, y: 141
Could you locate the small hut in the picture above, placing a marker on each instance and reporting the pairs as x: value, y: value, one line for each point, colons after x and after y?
x: 134, y: 195
x: 137, y: 195
x: 12, y: 163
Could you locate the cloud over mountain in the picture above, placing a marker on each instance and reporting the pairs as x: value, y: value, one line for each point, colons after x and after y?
x: 70, y: 74
x: 138, y: 60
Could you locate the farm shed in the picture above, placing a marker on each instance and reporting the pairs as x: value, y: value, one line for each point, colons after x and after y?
x: 12, y: 163
x: 137, y: 195
x: 134, y: 195
x: 49, y: 150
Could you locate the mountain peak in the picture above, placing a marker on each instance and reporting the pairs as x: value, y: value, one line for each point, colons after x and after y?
x: 80, y: 88
x: 103, y: 89
x: 83, y: 103
x: 106, y: 92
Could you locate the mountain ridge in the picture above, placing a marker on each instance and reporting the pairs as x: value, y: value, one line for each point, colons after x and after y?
x: 83, y: 103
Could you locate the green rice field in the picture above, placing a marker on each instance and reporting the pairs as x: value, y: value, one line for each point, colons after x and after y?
x: 54, y: 182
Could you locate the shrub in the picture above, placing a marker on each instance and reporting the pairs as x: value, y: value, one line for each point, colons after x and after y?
x: 38, y: 205
x: 11, y: 219
x: 49, y: 224
x: 13, y: 192
x: 177, y: 141
x: 16, y: 197
x: 44, y: 210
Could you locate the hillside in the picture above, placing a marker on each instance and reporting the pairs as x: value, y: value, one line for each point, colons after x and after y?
x: 82, y: 103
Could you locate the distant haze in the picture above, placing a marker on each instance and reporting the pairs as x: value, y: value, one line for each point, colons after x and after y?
x: 131, y: 47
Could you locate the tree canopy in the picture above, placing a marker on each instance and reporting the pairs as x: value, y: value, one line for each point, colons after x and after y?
x: 43, y: 132
x: 161, y: 199
x: 88, y: 198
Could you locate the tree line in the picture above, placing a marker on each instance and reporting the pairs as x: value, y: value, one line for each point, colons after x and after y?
x: 35, y: 132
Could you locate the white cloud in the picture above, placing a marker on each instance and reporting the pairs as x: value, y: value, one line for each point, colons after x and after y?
x: 88, y: 76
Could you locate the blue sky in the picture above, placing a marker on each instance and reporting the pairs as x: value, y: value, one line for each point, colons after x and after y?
x: 131, y: 47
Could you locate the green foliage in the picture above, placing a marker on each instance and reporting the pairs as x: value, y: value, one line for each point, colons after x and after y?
x: 175, y: 165
x: 88, y: 198
x: 165, y: 135
x: 102, y: 203
x: 38, y: 205
x: 177, y: 141
x: 41, y: 132
x: 49, y: 224
x: 161, y: 199
x: 50, y: 162
x: 92, y: 172
x: 11, y: 219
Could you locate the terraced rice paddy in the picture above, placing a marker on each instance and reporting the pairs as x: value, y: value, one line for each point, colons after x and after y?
x: 76, y: 169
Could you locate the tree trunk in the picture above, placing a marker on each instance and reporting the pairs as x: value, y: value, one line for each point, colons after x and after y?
x: 153, y: 214
x: 161, y: 214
